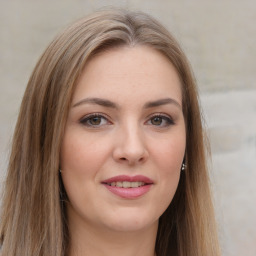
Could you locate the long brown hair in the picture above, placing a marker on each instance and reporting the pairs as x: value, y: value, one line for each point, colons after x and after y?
x: 33, y: 218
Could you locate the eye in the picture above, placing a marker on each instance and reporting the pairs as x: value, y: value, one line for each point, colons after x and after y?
x: 160, y: 120
x: 94, y: 120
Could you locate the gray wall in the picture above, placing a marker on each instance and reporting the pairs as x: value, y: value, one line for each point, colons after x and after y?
x: 219, y: 38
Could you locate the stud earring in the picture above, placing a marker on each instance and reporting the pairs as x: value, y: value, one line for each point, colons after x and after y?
x: 183, y: 167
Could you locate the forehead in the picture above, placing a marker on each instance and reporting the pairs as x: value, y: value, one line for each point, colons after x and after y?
x: 137, y: 72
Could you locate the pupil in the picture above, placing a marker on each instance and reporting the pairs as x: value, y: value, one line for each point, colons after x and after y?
x: 96, y: 120
x: 157, y: 121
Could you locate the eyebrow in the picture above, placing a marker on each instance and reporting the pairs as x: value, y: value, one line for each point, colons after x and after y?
x: 110, y: 104
x: 161, y: 102
x: 97, y: 101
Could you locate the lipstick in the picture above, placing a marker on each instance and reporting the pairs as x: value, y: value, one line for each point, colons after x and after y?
x: 129, y: 187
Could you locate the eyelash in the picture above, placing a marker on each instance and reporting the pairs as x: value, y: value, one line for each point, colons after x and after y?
x: 87, y: 119
x: 168, y: 120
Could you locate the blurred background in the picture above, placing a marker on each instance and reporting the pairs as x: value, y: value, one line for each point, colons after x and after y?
x: 219, y: 38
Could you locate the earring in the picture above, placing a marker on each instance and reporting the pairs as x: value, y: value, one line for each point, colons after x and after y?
x: 183, y: 167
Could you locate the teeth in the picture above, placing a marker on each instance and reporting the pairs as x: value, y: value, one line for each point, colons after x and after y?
x: 119, y: 184
x: 127, y: 184
x: 134, y: 184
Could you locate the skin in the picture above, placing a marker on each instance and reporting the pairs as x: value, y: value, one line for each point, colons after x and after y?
x: 130, y: 138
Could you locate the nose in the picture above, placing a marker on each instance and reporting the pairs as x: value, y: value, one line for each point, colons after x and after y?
x: 130, y: 146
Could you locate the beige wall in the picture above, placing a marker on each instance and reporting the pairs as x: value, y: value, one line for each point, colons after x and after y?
x: 219, y: 38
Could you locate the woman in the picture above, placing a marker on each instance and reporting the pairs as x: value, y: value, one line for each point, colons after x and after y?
x: 108, y: 155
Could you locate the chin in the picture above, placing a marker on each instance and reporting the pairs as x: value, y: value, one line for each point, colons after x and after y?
x: 130, y: 222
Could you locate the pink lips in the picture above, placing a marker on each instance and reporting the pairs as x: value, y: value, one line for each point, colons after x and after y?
x: 131, y: 192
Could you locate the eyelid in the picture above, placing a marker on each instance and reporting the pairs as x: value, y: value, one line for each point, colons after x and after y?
x: 166, y: 117
x: 91, y: 115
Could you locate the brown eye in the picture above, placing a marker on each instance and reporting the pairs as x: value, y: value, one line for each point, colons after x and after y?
x: 160, y: 120
x: 157, y: 120
x: 94, y: 120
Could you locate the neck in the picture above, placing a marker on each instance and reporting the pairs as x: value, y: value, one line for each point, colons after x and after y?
x: 85, y: 240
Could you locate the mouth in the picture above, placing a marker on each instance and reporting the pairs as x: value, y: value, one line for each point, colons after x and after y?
x: 126, y: 184
x: 129, y: 187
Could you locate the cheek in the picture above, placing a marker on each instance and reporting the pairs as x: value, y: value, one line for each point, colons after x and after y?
x: 169, y: 168
x: 170, y: 152
x: 169, y: 163
x: 81, y: 161
x: 81, y: 153
x: 168, y: 157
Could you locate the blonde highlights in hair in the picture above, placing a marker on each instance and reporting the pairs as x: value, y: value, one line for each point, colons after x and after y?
x: 33, y: 219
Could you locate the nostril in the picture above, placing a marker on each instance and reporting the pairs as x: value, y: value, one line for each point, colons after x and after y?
x: 141, y: 159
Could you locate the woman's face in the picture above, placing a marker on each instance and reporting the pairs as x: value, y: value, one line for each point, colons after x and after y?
x: 124, y: 140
